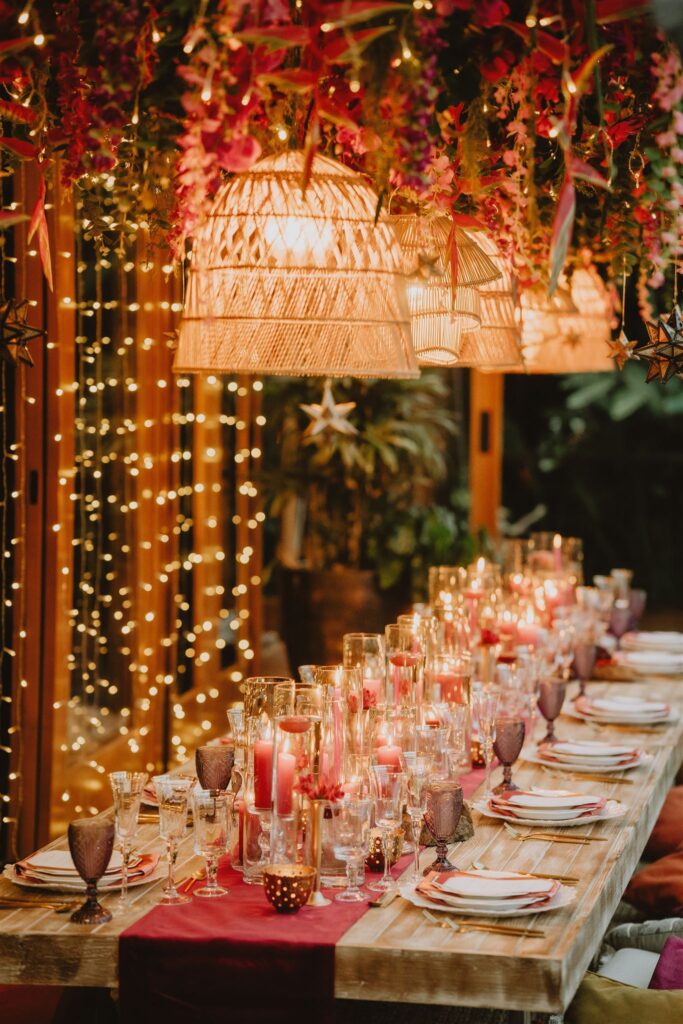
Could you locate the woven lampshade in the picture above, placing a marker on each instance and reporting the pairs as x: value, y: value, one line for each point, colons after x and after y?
x: 293, y: 283
x: 439, y: 314
x: 573, y: 339
x: 496, y: 344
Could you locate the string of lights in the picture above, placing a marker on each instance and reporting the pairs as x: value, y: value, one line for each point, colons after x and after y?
x: 117, y: 591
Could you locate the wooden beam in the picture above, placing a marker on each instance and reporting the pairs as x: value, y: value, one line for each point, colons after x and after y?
x: 486, y: 449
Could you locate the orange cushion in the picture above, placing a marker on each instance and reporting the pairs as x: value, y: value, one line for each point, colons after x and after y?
x: 667, y: 835
x: 657, y: 890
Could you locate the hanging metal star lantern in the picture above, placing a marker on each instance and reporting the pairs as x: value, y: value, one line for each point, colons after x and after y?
x: 664, y: 353
x: 621, y: 349
x: 15, y: 332
x: 329, y: 415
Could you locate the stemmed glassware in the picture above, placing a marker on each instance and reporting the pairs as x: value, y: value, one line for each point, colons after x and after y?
x: 238, y: 731
x: 619, y: 618
x: 507, y: 746
x: 352, y: 843
x: 585, y: 653
x: 388, y: 794
x: 550, y: 700
x: 418, y: 779
x: 444, y: 807
x: 484, y: 707
x: 210, y: 815
x: 173, y: 794
x: 91, y: 842
x: 127, y: 790
x: 214, y: 766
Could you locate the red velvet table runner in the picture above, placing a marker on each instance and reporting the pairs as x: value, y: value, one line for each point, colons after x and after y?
x: 236, y: 959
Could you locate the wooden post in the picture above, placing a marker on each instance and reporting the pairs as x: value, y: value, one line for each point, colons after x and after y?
x: 486, y: 449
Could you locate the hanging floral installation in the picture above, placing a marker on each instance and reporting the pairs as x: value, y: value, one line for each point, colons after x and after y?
x: 556, y: 127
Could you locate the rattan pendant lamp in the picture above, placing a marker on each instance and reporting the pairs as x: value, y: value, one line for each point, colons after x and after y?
x: 439, y: 314
x: 292, y: 283
x: 573, y: 335
x: 495, y: 345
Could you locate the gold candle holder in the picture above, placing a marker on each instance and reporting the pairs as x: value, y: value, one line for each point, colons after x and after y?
x: 288, y: 886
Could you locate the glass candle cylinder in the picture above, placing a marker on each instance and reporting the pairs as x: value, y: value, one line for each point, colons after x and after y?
x: 404, y: 667
x: 296, y: 753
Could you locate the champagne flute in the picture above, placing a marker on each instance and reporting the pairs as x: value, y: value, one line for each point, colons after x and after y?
x: 444, y: 807
x: 210, y: 815
x: 418, y: 779
x: 173, y: 794
x: 352, y: 843
x: 507, y: 747
x: 127, y: 790
x: 91, y: 842
x: 550, y: 700
x: 484, y: 706
x: 388, y: 795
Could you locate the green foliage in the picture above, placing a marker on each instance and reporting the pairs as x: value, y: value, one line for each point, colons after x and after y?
x: 604, y: 454
x: 377, y: 499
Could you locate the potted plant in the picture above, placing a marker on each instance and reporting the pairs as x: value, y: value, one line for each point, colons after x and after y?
x: 358, y: 484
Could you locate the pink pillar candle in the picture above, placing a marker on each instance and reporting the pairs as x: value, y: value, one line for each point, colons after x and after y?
x: 284, y: 782
x: 390, y: 754
x: 263, y: 774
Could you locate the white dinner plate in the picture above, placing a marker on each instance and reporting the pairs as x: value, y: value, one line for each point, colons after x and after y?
x: 604, y: 718
x: 583, y: 766
x: 659, y: 663
x: 612, y: 809
x: 568, y: 814
x: 668, y: 641
x: 563, y: 898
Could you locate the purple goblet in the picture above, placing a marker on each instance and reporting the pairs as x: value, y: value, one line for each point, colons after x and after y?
x: 91, y: 842
x: 214, y: 767
x: 550, y: 700
x: 636, y: 602
x: 584, y: 663
x: 444, y: 807
x: 619, y: 618
x: 507, y: 747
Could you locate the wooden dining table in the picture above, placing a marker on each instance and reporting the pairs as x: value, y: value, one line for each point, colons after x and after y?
x: 394, y: 953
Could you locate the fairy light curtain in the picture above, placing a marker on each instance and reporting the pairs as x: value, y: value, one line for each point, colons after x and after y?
x: 159, y: 584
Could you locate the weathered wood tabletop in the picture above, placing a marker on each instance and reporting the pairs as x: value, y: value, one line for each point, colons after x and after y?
x: 394, y: 953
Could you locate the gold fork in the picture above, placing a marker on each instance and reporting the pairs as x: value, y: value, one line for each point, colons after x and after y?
x: 496, y: 929
x: 184, y: 884
x: 545, y: 837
